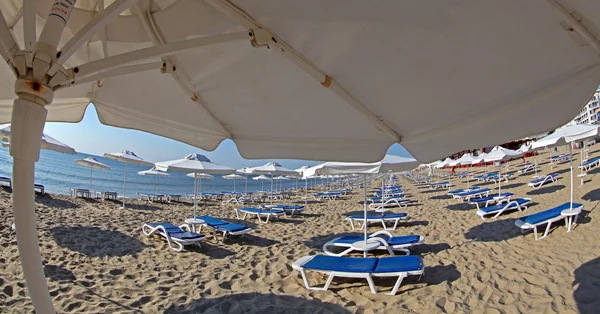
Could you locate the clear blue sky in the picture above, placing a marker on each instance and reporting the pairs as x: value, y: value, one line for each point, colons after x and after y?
x: 92, y: 137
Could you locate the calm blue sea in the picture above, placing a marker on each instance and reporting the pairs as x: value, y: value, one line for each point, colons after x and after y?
x: 58, y: 173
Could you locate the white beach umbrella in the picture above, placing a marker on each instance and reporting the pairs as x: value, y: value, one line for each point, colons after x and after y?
x: 445, y: 163
x: 198, y: 184
x: 193, y: 163
x: 388, y: 164
x: 48, y: 142
x: 153, y: 173
x: 262, y: 178
x: 233, y: 177
x: 245, y: 171
x: 93, y: 164
x: 273, y: 169
x: 226, y: 66
x: 499, y: 154
x: 566, y: 136
x: 128, y: 157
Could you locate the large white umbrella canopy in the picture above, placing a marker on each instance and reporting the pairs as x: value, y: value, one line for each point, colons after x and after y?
x: 193, y: 163
x: 567, y: 135
x: 225, y: 66
x: 466, y: 159
x: 245, y: 171
x: 233, y: 177
x: 444, y: 163
x: 128, y: 157
x: 499, y: 154
x: 478, y: 159
x: 153, y: 173
x: 93, y: 164
x: 48, y: 142
x: 273, y: 168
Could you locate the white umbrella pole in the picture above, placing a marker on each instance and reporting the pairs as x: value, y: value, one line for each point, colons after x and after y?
x: 571, y: 166
x: 195, y: 195
x: 365, y: 210
x: 154, y: 185
x: 306, y: 192
x: 199, y: 188
x: 246, y: 189
x: 234, y: 185
x: 499, y: 177
x: 124, y: 185
x: 91, y: 168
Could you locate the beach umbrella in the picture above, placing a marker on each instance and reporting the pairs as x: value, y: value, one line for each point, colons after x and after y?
x: 93, y: 164
x: 245, y: 171
x: 279, y: 179
x: 233, y: 177
x: 466, y: 159
x: 499, y: 154
x: 193, y: 163
x: 566, y: 136
x: 128, y: 157
x: 256, y: 73
x: 48, y: 142
x: 198, y: 184
x: 273, y: 169
x: 388, y: 164
x: 153, y: 173
x: 262, y: 178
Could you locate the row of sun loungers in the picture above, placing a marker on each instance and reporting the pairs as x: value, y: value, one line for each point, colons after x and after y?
x: 559, y: 158
x: 497, y: 210
x: 465, y: 196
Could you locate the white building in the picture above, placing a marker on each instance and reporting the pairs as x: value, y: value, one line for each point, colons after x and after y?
x: 589, y: 113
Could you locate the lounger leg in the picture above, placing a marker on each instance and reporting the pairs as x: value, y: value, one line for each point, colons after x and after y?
x: 224, y: 234
x: 215, y: 234
x: 397, y: 285
x: 305, y: 279
x: 352, y: 224
x: 371, y: 284
x: 329, y: 280
x: 237, y: 214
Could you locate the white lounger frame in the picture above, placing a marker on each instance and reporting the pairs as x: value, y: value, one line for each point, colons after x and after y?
x: 508, y: 206
x: 299, y: 266
x: 526, y: 226
x: 180, y: 243
x: 381, y: 236
x: 382, y: 220
x: 392, y: 202
x: 225, y: 232
x: 492, y: 201
x: 258, y: 215
x: 547, y: 179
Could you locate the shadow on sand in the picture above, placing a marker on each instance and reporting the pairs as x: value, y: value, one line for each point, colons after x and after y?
x: 461, y: 206
x: 593, y: 195
x: 546, y: 189
x: 57, y: 203
x: 256, y: 303
x: 96, y: 242
x: 494, y: 231
x: 587, y: 280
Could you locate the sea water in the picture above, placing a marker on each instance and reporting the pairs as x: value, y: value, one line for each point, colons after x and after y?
x: 59, y: 173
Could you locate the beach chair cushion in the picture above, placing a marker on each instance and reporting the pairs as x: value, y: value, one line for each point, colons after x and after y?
x: 397, y: 264
x: 379, y: 216
x: 342, y: 264
x: 212, y: 221
x: 231, y: 227
x: 547, y: 214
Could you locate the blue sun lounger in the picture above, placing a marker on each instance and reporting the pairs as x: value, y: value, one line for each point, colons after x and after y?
x: 519, y: 203
x: 504, y: 197
x: 539, y: 182
x: 177, y: 237
x: 528, y: 167
x: 439, y: 185
x: 593, y: 162
x: 386, y: 241
x: 259, y: 213
x: 225, y: 227
x: 463, y: 190
x: 367, y: 268
x: 382, y: 218
x: 466, y: 196
x: 286, y: 208
x: 547, y: 217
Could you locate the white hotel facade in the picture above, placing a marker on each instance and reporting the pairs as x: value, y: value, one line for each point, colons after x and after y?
x: 589, y: 113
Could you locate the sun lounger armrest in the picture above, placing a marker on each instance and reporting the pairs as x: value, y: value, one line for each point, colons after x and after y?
x: 381, y: 233
x: 186, y: 227
x: 299, y: 264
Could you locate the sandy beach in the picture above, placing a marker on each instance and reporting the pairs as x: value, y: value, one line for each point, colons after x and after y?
x: 97, y: 260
